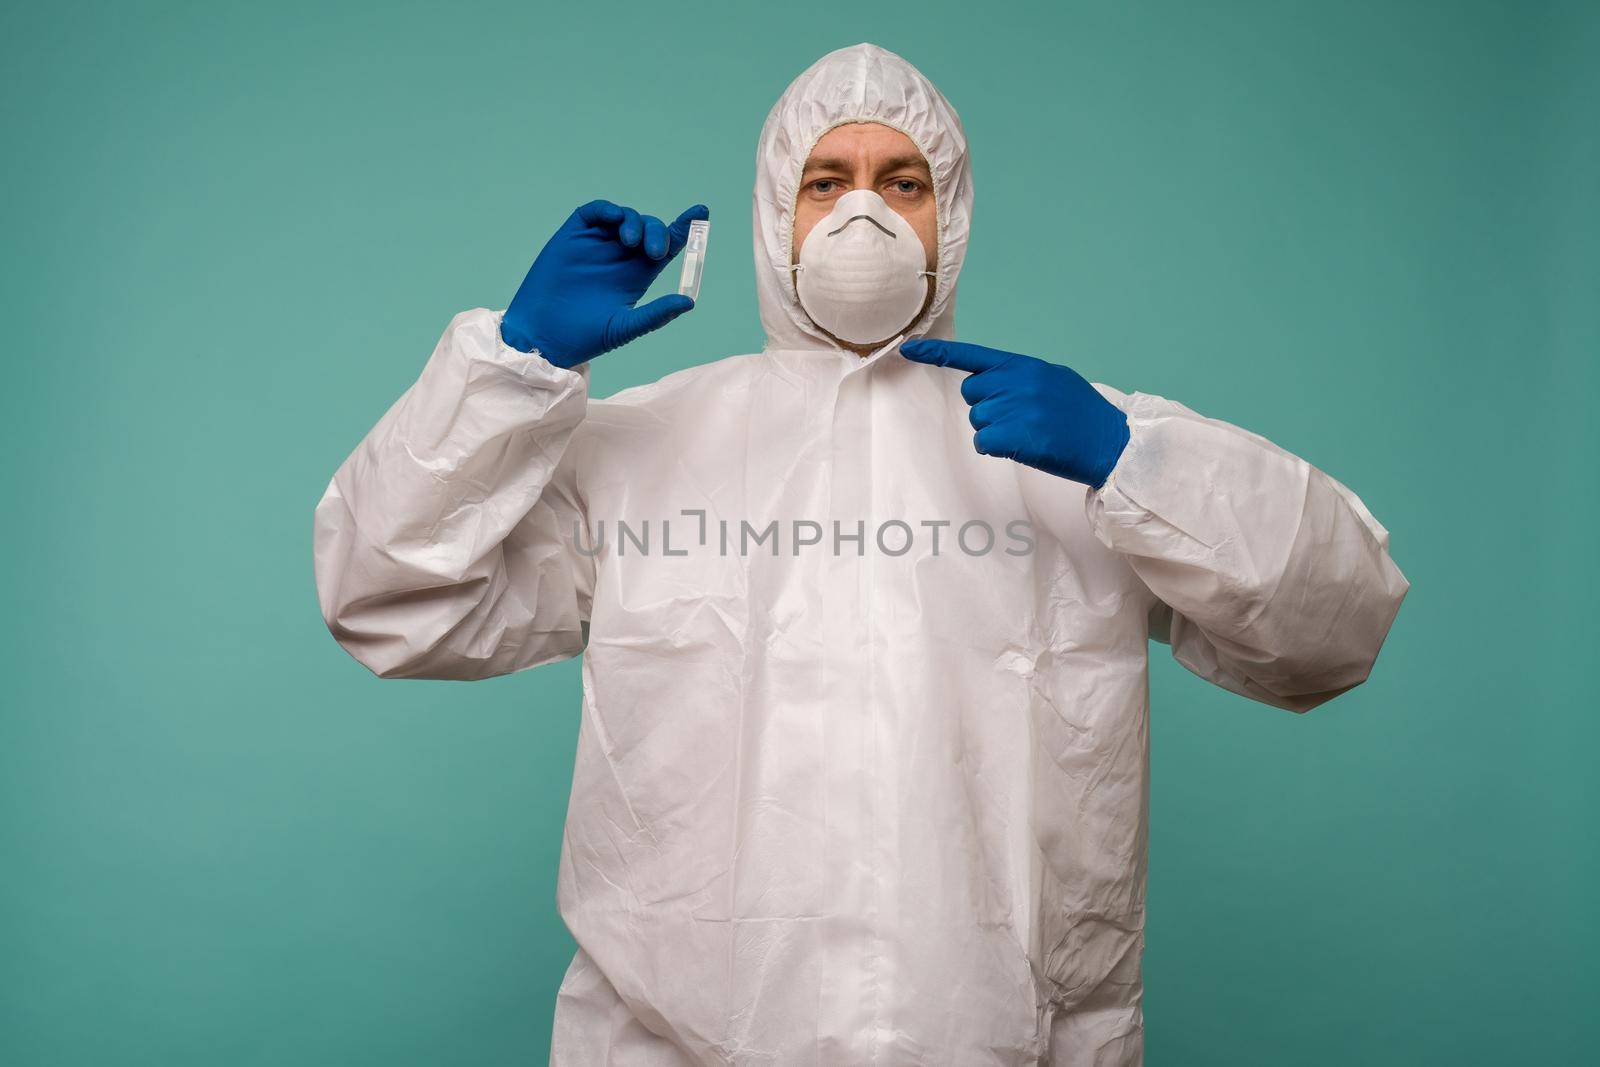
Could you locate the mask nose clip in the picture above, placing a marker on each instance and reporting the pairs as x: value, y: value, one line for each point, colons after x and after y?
x: 864, y: 218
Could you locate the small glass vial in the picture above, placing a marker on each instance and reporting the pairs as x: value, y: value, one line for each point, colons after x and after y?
x: 694, y: 258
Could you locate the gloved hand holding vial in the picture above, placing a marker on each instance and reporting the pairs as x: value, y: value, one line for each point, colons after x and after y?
x: 579, y: 297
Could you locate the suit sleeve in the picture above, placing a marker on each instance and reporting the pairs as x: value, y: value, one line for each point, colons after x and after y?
x: 446, y: 544
x: 1273, y: 580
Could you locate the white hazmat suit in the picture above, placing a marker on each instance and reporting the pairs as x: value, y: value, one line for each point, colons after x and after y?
x: 834, y: 802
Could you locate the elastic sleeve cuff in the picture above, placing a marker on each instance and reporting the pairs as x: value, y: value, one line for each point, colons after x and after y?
x: 1135, y: 463
x: 486, y: 323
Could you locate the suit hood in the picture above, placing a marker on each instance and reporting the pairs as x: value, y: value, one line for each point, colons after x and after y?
x: 862, y: 83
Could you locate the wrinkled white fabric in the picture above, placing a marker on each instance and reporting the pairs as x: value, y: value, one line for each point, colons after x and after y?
x: 859, y: 806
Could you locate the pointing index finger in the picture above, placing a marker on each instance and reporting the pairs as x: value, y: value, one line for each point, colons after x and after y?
x: 956, y: 355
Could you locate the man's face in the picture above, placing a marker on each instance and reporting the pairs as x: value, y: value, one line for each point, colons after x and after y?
x: 868, y: 155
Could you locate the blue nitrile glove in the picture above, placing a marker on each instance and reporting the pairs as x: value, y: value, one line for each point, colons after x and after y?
x: 577, y: 300
x: 1038, y: 413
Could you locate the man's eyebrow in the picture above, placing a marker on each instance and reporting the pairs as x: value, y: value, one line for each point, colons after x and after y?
x: 845, y: 166
x: 908, y: 162
x: 828, y: 163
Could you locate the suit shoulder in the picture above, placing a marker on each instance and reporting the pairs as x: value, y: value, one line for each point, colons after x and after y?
x: 680, y: 385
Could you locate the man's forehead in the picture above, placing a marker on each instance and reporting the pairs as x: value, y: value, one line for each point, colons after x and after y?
x: 844, y: 147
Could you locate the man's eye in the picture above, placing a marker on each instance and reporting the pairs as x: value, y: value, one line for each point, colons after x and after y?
x: 823, y: 186
x: 908, y: 187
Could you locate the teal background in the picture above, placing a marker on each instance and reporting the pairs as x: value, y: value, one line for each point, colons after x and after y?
x: 233, y: 233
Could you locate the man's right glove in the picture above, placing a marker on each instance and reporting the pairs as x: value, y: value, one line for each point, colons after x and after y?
x: 578, y: 298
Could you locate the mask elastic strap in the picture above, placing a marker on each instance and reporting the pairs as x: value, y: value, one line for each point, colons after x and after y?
x: 921, y: 274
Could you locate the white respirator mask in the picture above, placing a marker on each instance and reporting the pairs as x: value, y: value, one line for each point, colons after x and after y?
x: 862, y: 270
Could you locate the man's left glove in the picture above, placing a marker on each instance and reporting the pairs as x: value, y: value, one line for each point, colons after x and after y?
x: 1038, y: 413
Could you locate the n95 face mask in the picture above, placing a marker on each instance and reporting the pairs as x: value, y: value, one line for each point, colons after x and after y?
x: 862, y: 274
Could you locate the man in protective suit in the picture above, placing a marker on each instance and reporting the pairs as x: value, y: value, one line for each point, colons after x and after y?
x: 872, y: 787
